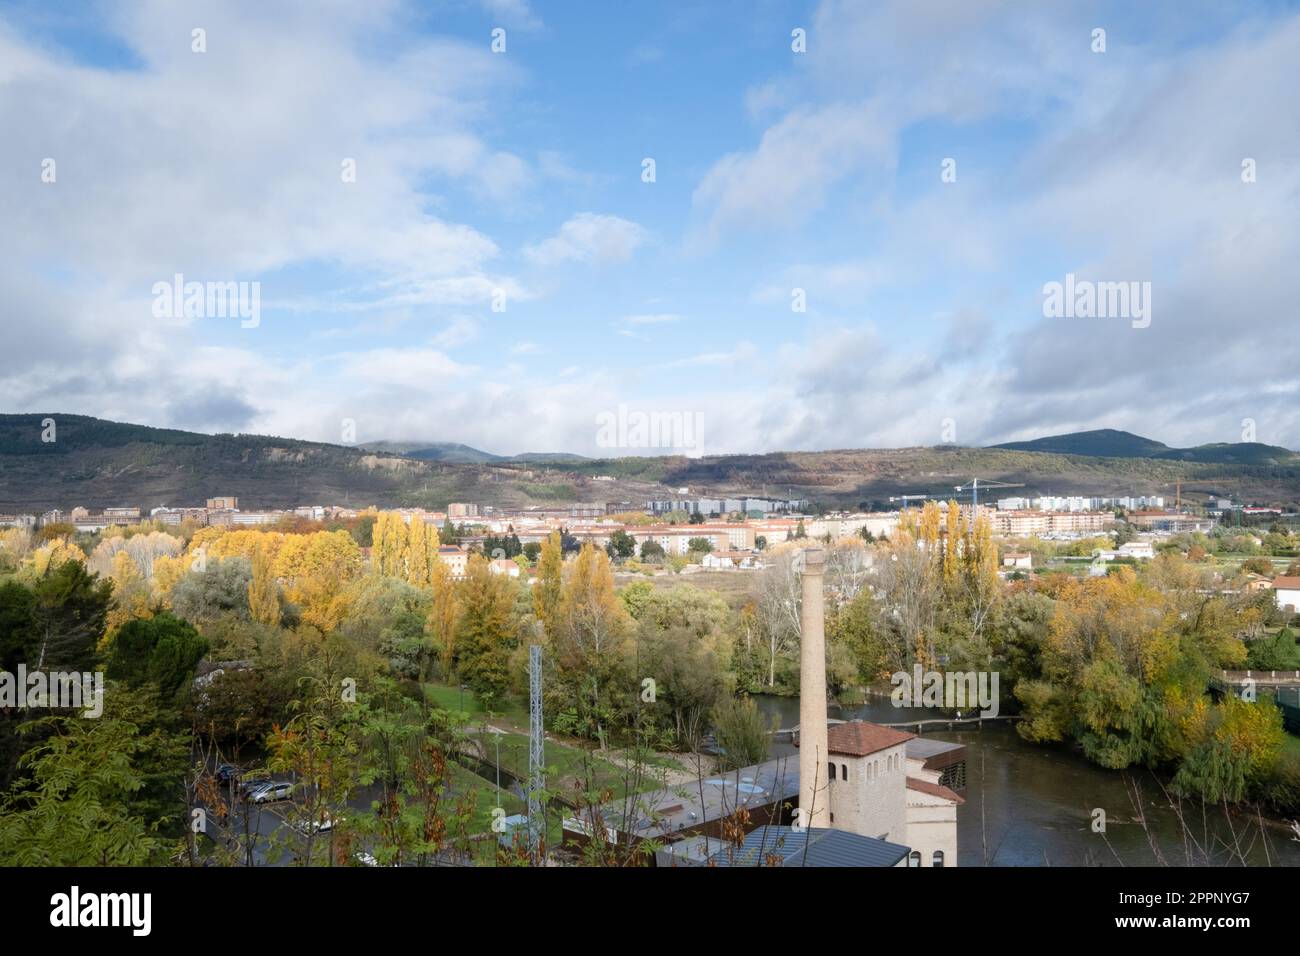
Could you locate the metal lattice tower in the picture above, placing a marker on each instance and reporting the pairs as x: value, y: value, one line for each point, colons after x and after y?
x: 536, y: 752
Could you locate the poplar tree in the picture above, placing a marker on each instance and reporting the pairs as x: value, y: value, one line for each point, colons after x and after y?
x: 549, y: 587
x: 263, y: 591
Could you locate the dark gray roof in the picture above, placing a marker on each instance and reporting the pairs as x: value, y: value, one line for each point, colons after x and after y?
x: 785, y: 846
x: 922, y: 748
x: 670, y: 810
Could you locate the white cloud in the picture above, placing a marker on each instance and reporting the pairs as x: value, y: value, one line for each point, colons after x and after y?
x: 589, y: 237
x: 785, y: 180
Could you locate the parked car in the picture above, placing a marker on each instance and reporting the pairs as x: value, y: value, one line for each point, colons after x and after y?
x: 227, y: 772
x: 268, y: 793
x: 253, y: 782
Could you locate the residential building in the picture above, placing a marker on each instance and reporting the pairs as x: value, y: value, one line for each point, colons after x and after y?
x: 1286, y: 591
x: 504, y: 566
x: 455, y: 557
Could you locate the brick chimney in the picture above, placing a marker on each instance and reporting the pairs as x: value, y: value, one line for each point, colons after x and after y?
x: 814, y: 792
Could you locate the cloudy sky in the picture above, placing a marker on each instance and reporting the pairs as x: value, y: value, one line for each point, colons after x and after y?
x: 500, y: 272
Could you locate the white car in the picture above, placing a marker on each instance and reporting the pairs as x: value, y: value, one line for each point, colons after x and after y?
x: 271, y: 792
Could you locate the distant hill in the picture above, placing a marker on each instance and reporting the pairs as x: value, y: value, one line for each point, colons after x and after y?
x: 438, y: 451
x: 463, y: 454
x: 97, y: 463
x: 1111, y: 443
x: 1100, y: 443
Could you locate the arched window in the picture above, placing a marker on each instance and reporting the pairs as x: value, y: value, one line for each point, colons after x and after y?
x: 844, y: 771
x: 914, y: 858
x: 938, y: 858
x: 832, y: 769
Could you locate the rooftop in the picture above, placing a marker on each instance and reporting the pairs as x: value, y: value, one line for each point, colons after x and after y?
x: 814, y: 846
x: 672, y: 809
x: 934, y: 790
x: 859, y: 737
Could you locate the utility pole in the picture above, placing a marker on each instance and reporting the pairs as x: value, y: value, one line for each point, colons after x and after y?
x: 536, y: 754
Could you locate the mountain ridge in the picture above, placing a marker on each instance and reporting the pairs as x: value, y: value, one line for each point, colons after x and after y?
x: 96, y: 463
x: 1114, y: 443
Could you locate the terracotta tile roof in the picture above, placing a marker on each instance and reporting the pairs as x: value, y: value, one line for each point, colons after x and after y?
x: 859, y: 738
x: 934, y: 790
x: 1283, y: 581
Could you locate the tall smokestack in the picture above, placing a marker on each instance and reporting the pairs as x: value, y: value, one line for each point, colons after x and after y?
x: 814, y: 793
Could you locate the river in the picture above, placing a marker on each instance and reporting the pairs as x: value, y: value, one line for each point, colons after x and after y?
x: 1032, y: 804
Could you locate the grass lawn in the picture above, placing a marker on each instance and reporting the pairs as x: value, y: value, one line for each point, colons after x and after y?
x: 566, y: 766
x: 451, y: 698
x: 487, y: 798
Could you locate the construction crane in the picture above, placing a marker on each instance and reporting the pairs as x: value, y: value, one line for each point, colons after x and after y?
x: 975, y: 484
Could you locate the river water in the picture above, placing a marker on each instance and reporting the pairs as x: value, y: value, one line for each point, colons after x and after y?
x: 1032, y: 804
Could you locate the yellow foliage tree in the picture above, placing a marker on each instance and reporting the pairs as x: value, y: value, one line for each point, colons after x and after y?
x: 441, y: 623
x: 48, y: 557
x: 132, y: 596
x: 263, y: 590
x: 419, y: 559
x: 549, y: 586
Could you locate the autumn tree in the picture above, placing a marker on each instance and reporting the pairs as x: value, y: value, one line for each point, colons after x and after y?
x: 421, y: 552
x: 441, y: 622
x: 263, y: 591
x: 590, y: 642
x: 484, y: 632
x: 549, y: 586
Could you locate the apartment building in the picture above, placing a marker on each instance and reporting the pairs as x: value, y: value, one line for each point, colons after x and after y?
x: 1023, y: 524
x: 1173, y: 522
x: 455, y: 557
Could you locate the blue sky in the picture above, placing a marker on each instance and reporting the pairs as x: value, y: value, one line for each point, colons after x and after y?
x: 521, y: 172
